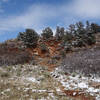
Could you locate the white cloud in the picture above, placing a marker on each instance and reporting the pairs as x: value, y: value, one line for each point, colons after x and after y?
x: 86, y: 8
x: 5, y: 0
x: 35, y: 17
x: 38, y: 16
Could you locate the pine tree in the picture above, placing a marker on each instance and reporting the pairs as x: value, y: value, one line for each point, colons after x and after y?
x: 47, y: 33
x: 59, y: 33
x: 29, y: 38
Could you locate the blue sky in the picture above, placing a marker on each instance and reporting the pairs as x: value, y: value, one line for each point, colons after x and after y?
x: 17, y: 15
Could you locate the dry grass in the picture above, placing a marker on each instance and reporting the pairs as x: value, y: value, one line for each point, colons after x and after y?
x: 18, y: 87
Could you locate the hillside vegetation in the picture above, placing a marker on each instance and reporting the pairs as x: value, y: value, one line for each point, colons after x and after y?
x: 30, y: 43
x: 50, y: 67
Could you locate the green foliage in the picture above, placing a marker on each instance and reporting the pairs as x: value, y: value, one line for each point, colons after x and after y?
x: 80, y: 30
x: 72, y: 29
x: 59, y: 33
x: 90, y: 39
x: 95, y: 27
x: 84, y: 35
x: 67, y: 37
x: 29, y: 38
x: 80, y: 43
x: 67, y: 47
x: 43, y: 47
x: 47, y: 33
x: 80, y: 35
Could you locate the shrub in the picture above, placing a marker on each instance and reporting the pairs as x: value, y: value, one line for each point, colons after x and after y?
x: 29, y: 38
x: 72, y: 29
x: 47, y: 33
x: 67, y: 47
x: 84, y: 35
x: 43, y: 47
x: 91, y: 39
x: 88, y: 27
x: 80, y: 30
x: 12, y: 56
x: 95, y: 27
x: 57, y: 57
x: 67, y: 37
x: 81, y: 62
x: 52, y: 61
x: 63, y: 54
x: 80, y: 43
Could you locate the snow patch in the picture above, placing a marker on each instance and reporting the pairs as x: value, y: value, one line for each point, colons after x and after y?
x: 82, y: 85
x: 77, y: 82
x: 34, y: 90
x: 32, y: 79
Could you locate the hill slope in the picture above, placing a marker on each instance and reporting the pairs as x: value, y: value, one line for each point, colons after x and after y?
x: 31, y: 74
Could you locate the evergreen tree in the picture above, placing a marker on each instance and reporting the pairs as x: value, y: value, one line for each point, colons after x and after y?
x: 29, y: 38
x: 59, y: 33
x: 47, y: 33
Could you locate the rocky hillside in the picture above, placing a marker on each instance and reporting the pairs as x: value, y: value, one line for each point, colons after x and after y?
x: 47, y: 67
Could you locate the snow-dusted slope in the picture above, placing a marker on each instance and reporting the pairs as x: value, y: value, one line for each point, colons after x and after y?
x: 78, y: 83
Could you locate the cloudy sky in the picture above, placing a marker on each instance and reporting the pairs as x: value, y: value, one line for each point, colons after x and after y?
x: 17, y: 15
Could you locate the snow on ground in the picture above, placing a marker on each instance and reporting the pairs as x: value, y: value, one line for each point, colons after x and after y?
x: 78, y: 82
x: 32, y: 79
x: 28, y: 82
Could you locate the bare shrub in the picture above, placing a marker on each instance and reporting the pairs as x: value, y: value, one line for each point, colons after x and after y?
x: 12, y: 56
x: 86, y: 62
